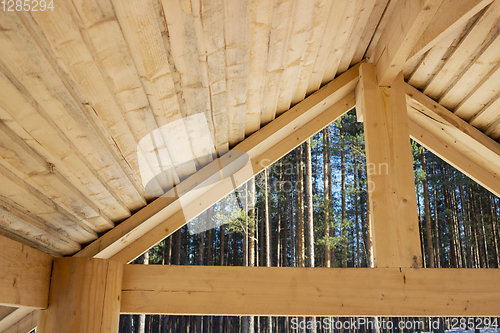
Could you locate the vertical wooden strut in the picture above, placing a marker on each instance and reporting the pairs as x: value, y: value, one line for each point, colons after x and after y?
x: 391, y: 186
x: 84, y: 297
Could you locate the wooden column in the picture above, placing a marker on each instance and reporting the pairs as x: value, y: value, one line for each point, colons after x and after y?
x: 84, y: 296
x: 391, y: 186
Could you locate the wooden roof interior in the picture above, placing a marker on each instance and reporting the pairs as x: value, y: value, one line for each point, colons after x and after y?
x: 82, y: 85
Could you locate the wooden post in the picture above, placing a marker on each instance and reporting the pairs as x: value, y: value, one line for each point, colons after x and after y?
x: 391, y: 186
x: 84, y: 296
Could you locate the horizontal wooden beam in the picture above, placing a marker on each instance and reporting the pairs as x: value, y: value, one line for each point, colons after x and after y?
x: 24, y: 275
x: 196, y: 290
x: 454, y: 140
x: 167, y: 214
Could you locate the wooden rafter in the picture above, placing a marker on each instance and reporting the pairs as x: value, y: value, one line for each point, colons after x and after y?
x: 454, y: 140
x: 310, y: 291
x: 165, y: 215
x: 454, y: 157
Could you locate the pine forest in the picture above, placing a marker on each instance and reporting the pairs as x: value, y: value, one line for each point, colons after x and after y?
x: 310, y: 209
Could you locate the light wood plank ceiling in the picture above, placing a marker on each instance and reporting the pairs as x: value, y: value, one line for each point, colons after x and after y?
x: 81, y: 86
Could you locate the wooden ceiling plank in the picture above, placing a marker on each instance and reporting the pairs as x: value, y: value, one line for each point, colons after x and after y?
x: 480, y: 96
x: 183, y: 49
x: 483, y: 30
x: 203, y: 135
x: 384, y: 20
x: 236, y: 22
x: 24, y: 275
x: 314, y: 39
x: 493, y: 129
x: 80, y: 114
x: 292, y: 291
x: 260, y: 20
x: 433, y: 60
x: 336, y: 14
x: 33, y: 238
x: 202, y: 144
x: 364, y: 13
x: 369, y: 31
x: 40, y: 81
x: 407, y: 23
x: 278, y: 46
x: 20, y: 159
x: 487, y: 118
x: 161, y: 218
x: 451, y: 15
x: 71, y: 47
x: 342, y: 38
x: 27, y: 228
x: 302, y: 23
x: 15, y: 189
x: 472, y: 78
x: 23, y: 320
x: 19, y: 112
x: 208, y: 16
x: 102, y: 32
x: 142, y: 31
x: 445, y: 150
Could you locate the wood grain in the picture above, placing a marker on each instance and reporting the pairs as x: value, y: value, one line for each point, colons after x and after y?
x: 310, y: 291
x: 24, y: 275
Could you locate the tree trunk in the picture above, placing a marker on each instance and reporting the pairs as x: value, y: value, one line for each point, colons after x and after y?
x: 142, y: 318
x: 330, y: 206
x: 421, y: 227
x: 279, y: 211
x: 267, y: 221
x: 356, y: 210
x: 261, y: 233
x: 310, y: 215
x: 222, y: 234
x: 300, y: 208
x: 343, y: 197
x: 480, y: 259
x: 326, y: 198
x: 483, y: 235
x: 284, y: 208
x: 427, y: 211
x: 451, y: 231
x: 467, y: 232
x: 493, y: 232
x: 202, y: 245
x: 309, y: 195
x: 436, y: 223
x: 210, y: 233
x: 268, y: 234
x: 178, y: 247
